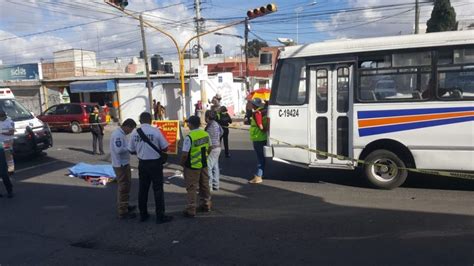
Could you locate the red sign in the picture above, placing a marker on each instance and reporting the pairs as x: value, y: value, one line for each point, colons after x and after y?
x: 170, y: 130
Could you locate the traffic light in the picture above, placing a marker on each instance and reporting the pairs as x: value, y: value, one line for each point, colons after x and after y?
x: 118, y: 3
x: 264, y: 10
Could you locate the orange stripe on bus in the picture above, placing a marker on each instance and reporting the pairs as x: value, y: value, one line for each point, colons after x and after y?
x: 407, y: 119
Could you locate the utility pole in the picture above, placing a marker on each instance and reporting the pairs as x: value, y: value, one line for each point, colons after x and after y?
x: 197, y: 6
x: 417, y: 17
x: 147, y: 69
x: 246, y: 48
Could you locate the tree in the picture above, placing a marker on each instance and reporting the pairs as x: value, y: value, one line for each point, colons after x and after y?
x: 443, y: 17
x: 254, y: 47
x: 206, y: 54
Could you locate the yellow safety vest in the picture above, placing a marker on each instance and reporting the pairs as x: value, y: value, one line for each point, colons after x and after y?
x: 197, y: 158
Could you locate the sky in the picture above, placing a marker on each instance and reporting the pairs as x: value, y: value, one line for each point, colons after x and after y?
x: 31, y: 30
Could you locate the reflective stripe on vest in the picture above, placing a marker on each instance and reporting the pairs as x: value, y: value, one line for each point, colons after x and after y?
x: 197, y: 157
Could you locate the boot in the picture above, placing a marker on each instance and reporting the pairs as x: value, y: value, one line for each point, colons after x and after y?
x: 256, y: 180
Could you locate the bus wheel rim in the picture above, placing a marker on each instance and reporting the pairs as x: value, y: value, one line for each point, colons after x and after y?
x: 384, y: 170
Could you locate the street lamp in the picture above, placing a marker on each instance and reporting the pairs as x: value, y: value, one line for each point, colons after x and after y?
x: 286, y: 41
x: 298, y: 10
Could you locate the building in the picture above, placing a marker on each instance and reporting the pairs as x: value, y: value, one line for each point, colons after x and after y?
x: 25, y: 81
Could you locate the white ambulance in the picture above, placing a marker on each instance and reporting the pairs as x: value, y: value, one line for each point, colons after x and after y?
x: 31, y: 135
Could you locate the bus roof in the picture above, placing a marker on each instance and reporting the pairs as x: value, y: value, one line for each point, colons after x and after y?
x: 335, y: 47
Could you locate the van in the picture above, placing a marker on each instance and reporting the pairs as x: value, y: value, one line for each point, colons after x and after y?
x: 31, y: 135
x: 70, y: 116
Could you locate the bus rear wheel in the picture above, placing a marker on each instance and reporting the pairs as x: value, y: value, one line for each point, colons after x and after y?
x: 384, y: 169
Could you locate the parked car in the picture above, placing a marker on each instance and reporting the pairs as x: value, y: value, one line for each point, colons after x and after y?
x: 31, y: 135
x: 69, y: 116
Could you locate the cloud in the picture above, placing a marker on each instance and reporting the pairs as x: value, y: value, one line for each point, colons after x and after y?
x: 110, y: 38
x: 386, y: 21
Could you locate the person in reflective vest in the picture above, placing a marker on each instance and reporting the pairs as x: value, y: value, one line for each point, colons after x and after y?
x: 258, y: 136
x: 195, y: 151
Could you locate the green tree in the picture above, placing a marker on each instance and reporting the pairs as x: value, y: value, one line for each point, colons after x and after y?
x: 443, y: 17
x: 206, y: 54
x: 254, y: 47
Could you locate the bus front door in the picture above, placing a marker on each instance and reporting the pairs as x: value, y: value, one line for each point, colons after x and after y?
x: 331, y: 90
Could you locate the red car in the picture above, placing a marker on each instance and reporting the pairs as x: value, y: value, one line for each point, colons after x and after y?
x: 69, y: 116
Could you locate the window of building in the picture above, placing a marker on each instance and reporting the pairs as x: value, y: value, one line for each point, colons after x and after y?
x: 291, y: 84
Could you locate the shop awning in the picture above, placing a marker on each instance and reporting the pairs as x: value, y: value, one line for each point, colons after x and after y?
x: 93, y: 86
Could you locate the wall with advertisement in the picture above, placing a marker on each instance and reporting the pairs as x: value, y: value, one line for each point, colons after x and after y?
x: 232, y: 92
x: 21, y: 72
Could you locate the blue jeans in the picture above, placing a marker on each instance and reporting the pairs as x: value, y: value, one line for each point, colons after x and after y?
x: 213, y: 166
x: 258, y: 147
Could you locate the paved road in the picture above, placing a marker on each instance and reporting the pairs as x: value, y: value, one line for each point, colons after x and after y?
x: 297, y: 217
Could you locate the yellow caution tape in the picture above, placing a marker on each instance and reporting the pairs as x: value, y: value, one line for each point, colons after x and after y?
x: 460, y: 175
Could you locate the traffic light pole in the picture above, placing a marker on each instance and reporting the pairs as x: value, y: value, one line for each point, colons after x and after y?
x: 246, y: 36
x: 147, y: 69
x: 201, y: 59
x: 182, y: 50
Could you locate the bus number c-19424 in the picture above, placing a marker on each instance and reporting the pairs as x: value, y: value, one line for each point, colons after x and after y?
x: 288, y: 113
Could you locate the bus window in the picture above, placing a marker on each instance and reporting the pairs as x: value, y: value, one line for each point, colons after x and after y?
x: 343, y: 89
x: 291, y: 85
x: 456, y: 74
x: 406, y: 77
x: 322, y: 91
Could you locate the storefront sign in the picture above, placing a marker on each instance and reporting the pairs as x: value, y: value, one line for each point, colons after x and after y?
x: 20, y: 72
x: 170, y: 130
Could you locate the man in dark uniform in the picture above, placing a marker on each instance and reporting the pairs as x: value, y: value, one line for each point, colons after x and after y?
x: 7, y: 130
x: 149, y: 145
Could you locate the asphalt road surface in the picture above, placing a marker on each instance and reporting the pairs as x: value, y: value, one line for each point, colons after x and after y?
x: 296, y: 217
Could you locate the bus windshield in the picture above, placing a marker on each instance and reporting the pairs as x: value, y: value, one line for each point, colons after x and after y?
x: 15, y: 110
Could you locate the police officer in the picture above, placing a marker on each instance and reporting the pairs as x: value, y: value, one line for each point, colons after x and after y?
x: 150, y: 167
x: 7, y: 128
x: 121, y: 163
x: 194, y: 160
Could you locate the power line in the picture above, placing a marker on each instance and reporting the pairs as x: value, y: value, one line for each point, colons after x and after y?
x: 72, y: 26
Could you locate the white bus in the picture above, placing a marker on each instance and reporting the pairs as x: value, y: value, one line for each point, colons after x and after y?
x: 399, y: 102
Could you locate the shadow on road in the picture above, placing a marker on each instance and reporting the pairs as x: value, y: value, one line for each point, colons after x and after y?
x: 80, y: 150
x: 52, y: 224
x: 244, y: 162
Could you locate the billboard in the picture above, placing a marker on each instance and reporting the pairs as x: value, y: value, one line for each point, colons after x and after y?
x: 21, y: 72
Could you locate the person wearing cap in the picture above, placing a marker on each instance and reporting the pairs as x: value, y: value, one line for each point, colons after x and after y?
x: 97, y: 130
x: 150, y: 167
x: 7, y: 127
x: 224, y: 119
x: 195, y: 150
x: 215, y: 132
x: 121, y: 164
x: 258, y: 136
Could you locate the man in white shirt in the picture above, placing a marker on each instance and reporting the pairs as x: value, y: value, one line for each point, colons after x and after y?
x: 7, y: 127
x: 121, y: 163
x: 150, y: 167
